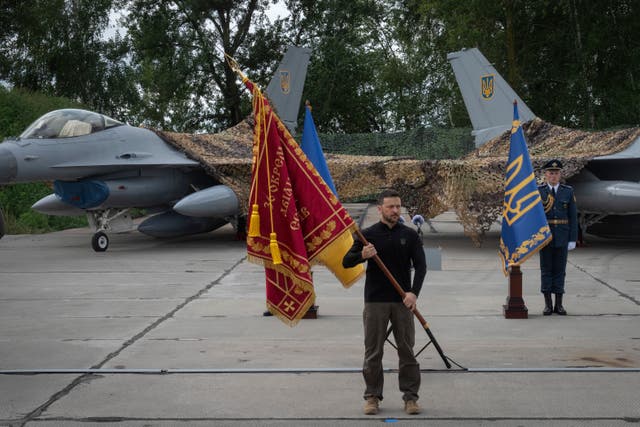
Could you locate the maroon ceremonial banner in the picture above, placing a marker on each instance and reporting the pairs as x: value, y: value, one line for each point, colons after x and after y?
x: 295, y: 221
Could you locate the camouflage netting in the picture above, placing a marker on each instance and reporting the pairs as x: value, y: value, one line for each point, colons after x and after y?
x: 472, y: 186
x: 226, y: 156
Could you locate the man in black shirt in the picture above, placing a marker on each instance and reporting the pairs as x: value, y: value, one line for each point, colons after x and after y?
x: 400, y: 248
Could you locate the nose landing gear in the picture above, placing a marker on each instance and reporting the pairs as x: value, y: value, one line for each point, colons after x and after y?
x: 108, y: 220
x: 100, y: 242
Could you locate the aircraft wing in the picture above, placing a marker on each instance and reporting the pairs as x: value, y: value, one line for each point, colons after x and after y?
x: 630, y: 153
x: 125, y: 164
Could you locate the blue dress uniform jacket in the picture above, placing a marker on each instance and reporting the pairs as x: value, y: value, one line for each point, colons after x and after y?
x: 562, y: 217
x: 562, y: 214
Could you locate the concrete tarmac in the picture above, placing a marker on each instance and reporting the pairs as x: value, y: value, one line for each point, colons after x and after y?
x: 170, y: 332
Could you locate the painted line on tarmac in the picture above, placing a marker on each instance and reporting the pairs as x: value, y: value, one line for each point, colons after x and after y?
x: 613, y: 288
x: 104, y: 371
x: 88, y: 375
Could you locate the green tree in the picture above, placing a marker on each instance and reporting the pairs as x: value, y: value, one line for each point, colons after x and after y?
x: 178, y: 48
x: 344, y: 77
x: 57, y: 47
x: 376, y: 65
x: 574, y: 62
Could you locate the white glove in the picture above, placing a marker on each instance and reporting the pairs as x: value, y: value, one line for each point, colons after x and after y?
x: 571, y: 246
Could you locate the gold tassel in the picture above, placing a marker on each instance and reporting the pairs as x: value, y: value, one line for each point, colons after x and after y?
x: 254, y: 223
x: 275, y: 250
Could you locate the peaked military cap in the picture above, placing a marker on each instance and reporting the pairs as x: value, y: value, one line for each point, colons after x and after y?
x: 554, y: 164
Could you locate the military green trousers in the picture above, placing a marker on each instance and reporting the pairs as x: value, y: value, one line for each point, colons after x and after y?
x: 376, y: 317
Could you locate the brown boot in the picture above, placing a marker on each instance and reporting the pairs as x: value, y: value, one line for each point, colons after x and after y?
x: 371, y: 407
x: 411, y: 407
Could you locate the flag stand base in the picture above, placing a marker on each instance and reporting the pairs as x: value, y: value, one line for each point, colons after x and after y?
x: 515, y: 308
x: 432, y: 340
x: 312, y: 313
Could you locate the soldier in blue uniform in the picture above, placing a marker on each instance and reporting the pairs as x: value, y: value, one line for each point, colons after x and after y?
x: 560, y: 208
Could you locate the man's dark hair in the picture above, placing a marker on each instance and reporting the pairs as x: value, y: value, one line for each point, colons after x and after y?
x: 385, y: 194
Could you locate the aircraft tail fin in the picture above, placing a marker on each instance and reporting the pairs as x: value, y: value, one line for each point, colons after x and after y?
x: 285, y: 88
x: 487, y: 96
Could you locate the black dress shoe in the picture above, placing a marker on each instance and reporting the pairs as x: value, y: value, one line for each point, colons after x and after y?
x: 547, y: 311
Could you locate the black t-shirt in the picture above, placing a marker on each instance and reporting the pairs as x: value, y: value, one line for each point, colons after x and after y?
x: 399, y: 248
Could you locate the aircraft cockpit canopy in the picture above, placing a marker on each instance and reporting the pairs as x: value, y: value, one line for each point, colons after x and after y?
x: 68, y: 123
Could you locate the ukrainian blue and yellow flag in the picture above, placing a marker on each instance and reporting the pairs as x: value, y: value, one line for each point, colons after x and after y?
x: 312, y: 148
x: 524, y: 225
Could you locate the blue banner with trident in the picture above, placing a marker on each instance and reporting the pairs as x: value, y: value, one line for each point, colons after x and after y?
x: 524, y: 225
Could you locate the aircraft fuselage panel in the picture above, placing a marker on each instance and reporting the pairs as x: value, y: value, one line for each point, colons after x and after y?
x: 159, y: 187
x: 609, y: 197
x: 111, y: 150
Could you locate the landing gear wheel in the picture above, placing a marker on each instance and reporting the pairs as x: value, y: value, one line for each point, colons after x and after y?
x: 100, y: 242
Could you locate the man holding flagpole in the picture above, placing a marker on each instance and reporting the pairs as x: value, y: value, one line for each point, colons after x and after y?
x: 400, y: 248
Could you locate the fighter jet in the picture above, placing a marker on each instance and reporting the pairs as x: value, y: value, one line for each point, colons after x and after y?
x: 607, y: 188
x: 103, y: 168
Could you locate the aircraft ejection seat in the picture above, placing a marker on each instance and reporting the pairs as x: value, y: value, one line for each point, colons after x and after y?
x: 74, y: 128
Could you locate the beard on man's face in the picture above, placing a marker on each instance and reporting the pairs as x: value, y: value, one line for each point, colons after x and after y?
x: 391, y: 218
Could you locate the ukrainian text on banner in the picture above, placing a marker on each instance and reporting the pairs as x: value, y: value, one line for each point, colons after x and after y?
x: 524, y: 225
x: 296, y: 220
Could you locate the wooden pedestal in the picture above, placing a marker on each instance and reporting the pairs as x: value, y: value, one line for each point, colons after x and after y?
x: 515, y: 308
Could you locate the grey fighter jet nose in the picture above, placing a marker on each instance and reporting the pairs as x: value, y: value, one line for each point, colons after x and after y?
x: 8, y: 165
